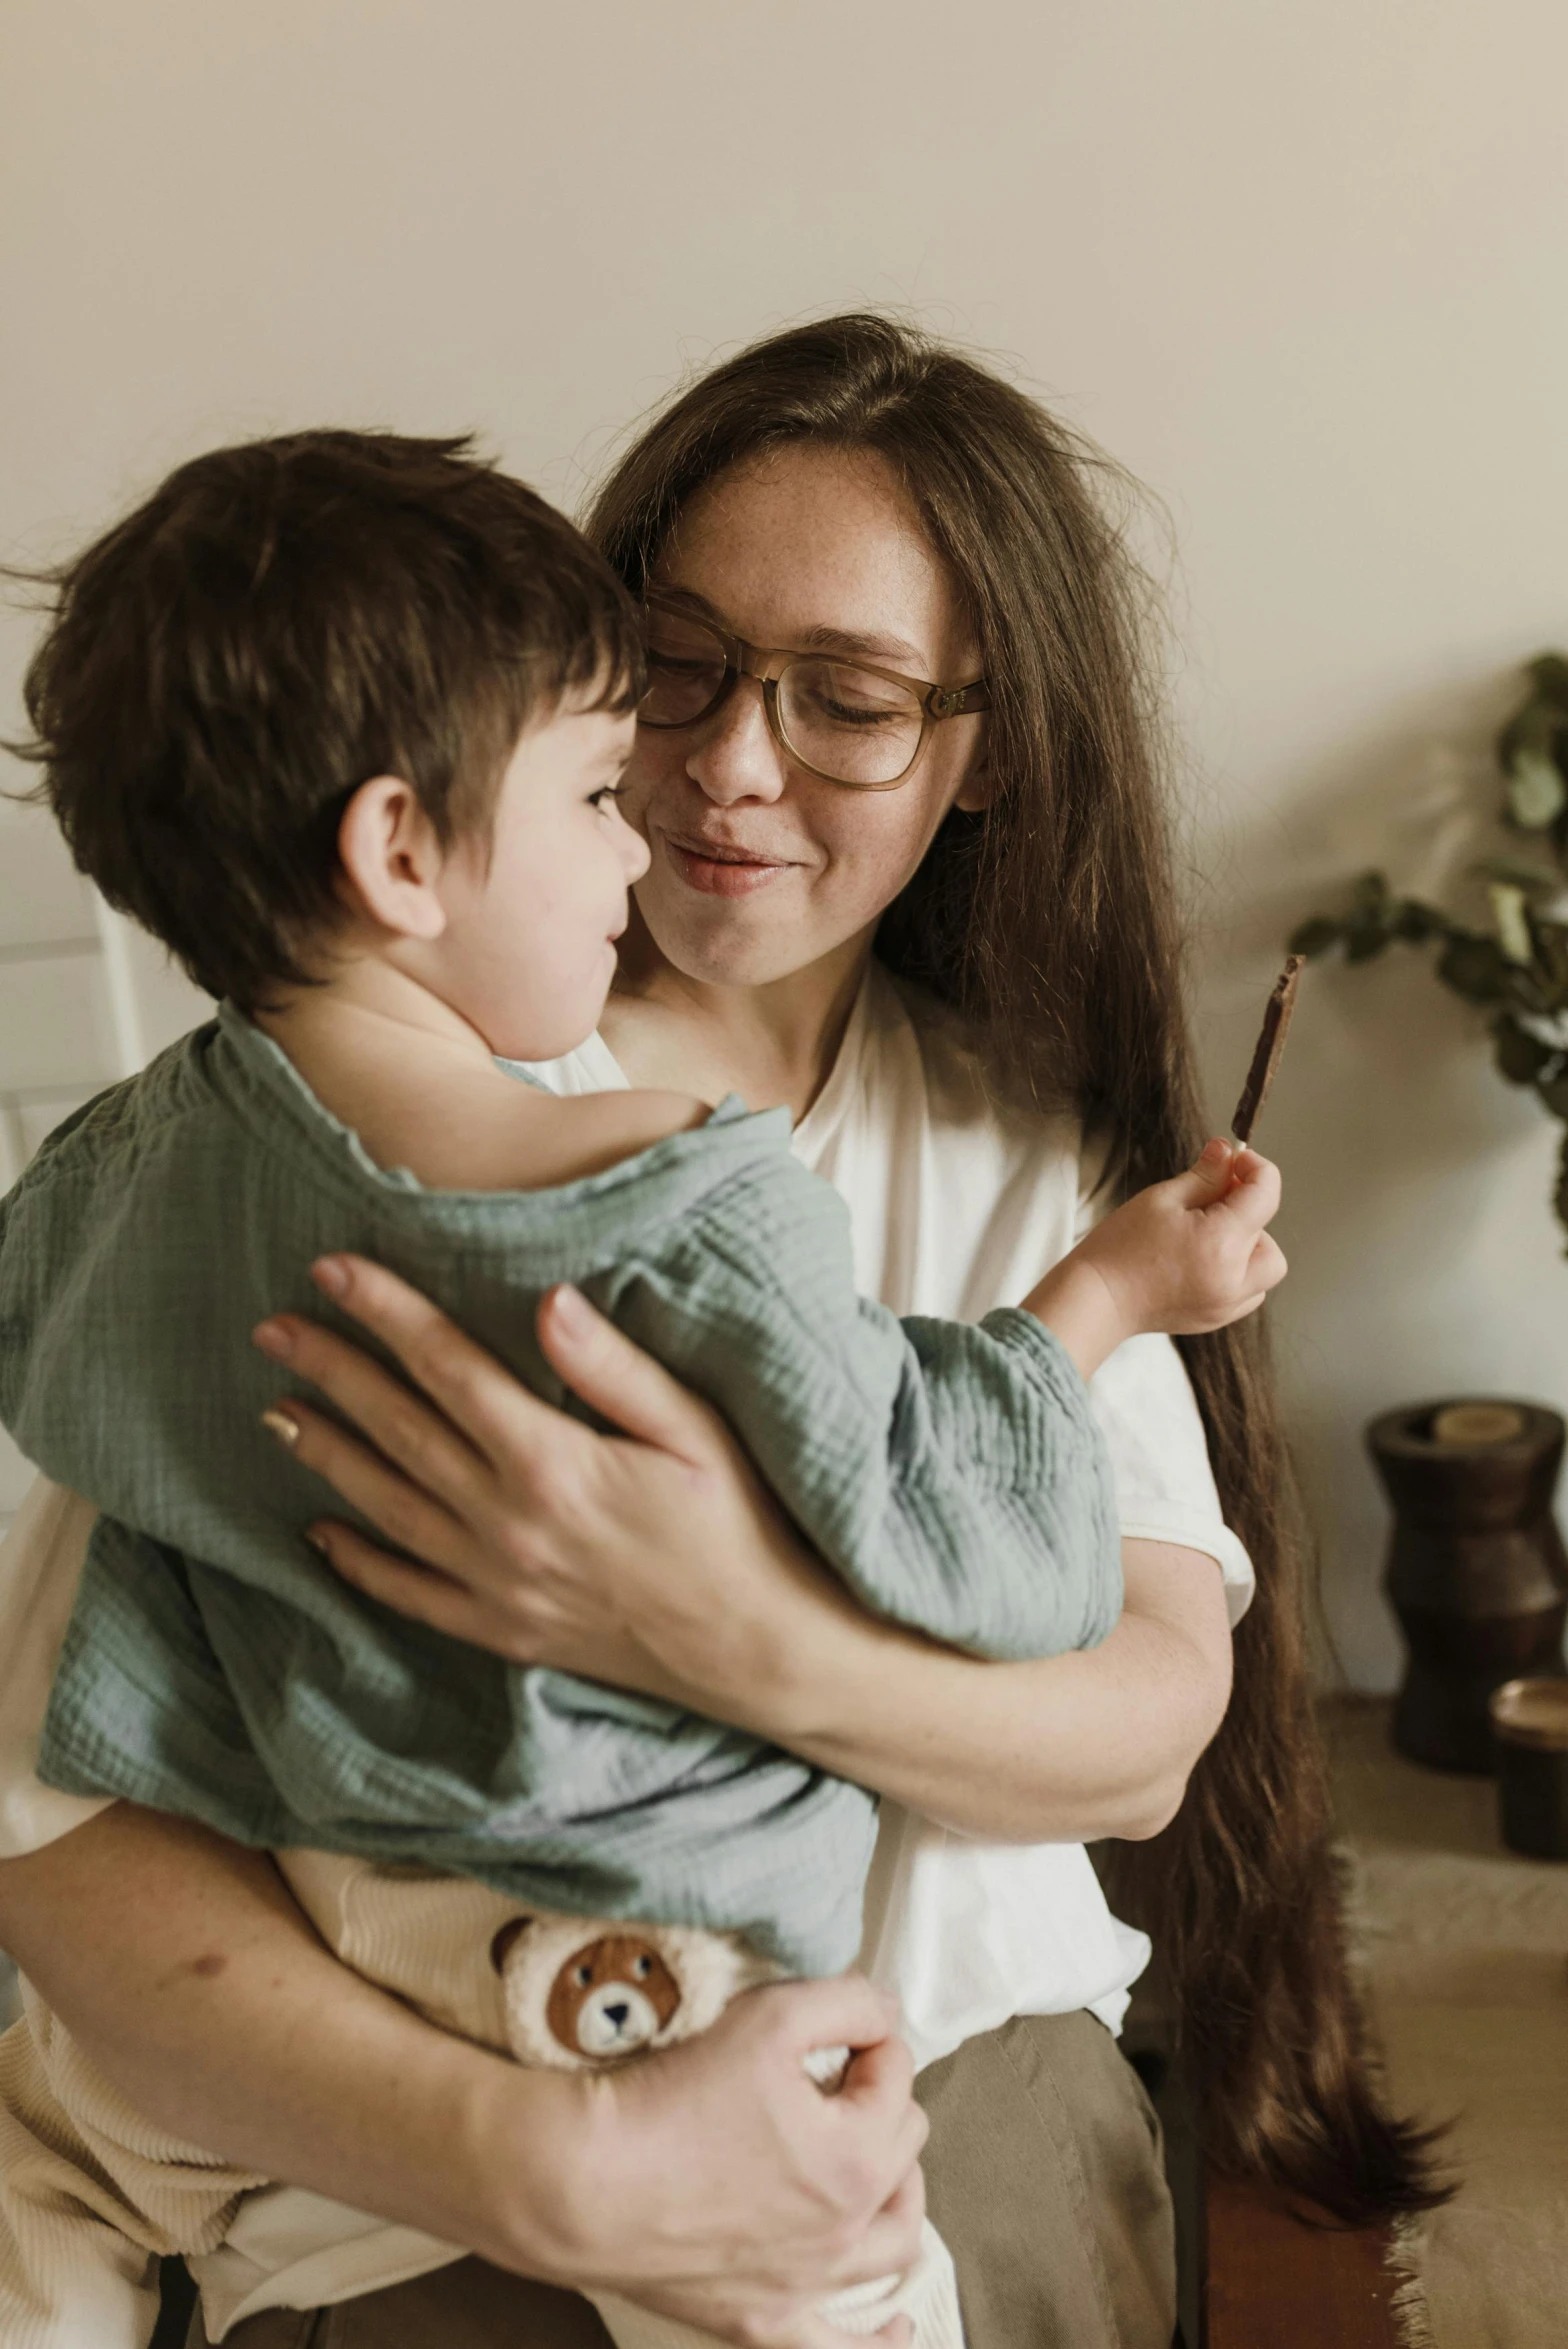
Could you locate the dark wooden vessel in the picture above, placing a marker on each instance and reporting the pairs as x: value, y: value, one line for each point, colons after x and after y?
x: 1477, y: 1572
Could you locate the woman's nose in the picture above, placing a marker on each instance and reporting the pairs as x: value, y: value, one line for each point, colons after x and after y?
x: 735, y: 756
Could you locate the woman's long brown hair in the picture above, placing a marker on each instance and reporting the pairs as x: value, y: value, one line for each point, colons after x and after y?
x: 1050, y: 922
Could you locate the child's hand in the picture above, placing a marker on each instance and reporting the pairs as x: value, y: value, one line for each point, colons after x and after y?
x: 1185, y: 1255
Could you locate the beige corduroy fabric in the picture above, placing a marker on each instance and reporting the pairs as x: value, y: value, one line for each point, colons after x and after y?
x: 91, y: 2195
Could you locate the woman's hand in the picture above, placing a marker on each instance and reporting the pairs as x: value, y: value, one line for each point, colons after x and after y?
x: 801, y: 2184
x: 540, y: 1539
x: 713, y: 2182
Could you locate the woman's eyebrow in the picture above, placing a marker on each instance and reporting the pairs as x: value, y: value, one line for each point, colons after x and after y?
x: 871, y: 648
x: 819, y: 639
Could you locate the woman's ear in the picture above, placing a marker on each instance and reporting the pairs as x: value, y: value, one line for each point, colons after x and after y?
x: 391, y: 860
x: 977, y: 790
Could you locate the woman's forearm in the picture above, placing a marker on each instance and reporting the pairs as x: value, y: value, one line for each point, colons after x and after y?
x: 1067, y: 1749
x: 183, y: 1967
x: 714, y: 2183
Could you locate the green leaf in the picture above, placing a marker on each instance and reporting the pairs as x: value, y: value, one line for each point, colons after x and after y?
x: 1417, y: 922
x: 1536, y: 791
x: 1522, y: 989
x: 1560, y: 1195
x: 1522, y: 875
x: 1313, y: 936
x: 1513, y: 929
x: 1549, y: 670
x: 1520, y: 1058
x: 1474, y: 967
x: 1532, y: 727
x: 1552, y: 940
x: 1364, y: 939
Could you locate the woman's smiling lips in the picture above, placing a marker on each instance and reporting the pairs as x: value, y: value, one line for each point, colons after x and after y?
x: 718, y: 869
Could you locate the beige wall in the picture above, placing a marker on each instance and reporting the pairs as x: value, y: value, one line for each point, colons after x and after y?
x: 1303, y: 268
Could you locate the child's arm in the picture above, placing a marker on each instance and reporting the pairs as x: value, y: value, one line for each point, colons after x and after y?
x: 585, y: 1134
x: 1181, y: 1256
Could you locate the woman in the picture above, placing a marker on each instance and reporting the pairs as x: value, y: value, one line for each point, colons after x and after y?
x: 843, y: 491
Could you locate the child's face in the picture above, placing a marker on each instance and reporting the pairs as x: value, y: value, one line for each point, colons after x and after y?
x: 528, y: 951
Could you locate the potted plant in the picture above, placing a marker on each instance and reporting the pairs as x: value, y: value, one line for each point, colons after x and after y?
x: 1518, y: 969
x: 1477, y: 1573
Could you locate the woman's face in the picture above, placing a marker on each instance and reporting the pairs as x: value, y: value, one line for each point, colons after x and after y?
x: 758, y: 868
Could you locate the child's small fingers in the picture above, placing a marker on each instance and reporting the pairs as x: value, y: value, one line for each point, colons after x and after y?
x: 1213, y: 1162
x: 1237, y: 1310
x: 1249, y: 1165
x: 1255, y: 1187
x: 815, y: 2332
x: 1266, y: 1266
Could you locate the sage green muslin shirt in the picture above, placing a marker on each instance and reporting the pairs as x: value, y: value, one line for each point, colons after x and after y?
x: 952, y: 1474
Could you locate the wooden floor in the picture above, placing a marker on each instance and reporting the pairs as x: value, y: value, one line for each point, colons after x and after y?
x: 1271, y: 2282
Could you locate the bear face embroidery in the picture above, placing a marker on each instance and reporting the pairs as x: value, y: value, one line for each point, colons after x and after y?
x: 611, y: 1997
x: 581, y: 1992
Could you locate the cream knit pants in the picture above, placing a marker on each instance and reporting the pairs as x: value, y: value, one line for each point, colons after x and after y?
x: 92, y: 2195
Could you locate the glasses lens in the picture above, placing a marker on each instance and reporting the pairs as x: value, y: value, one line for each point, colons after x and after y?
x: 685, y: 667
x: 849, y: 723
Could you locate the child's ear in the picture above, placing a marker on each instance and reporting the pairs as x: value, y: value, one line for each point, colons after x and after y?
x: 391, y: 860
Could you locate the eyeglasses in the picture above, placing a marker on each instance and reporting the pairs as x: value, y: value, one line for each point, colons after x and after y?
x: 840, y: 719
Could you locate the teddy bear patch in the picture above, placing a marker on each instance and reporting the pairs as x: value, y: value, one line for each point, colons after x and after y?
x: 611, y: 1998
x: 580, y: 1992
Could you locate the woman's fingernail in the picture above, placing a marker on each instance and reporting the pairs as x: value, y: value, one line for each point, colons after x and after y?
x: 274, y: 1338
x: 571, y: 1309
x: 330, y: 1273
x: 318, y: 1541
x: 283, y: 1427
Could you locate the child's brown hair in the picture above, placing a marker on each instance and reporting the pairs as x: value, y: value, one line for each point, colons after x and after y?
x: 275, y: 625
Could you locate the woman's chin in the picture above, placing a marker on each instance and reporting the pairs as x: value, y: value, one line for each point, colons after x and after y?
x: 718, y: 955
x: 729, y: 941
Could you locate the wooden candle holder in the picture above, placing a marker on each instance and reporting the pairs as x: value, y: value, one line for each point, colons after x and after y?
x: 1477, y: 1573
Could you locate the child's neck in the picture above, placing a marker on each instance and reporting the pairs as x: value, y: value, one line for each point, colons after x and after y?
x: 419, y: 1086
x: 368, y: 1004
x: 410, y: 1076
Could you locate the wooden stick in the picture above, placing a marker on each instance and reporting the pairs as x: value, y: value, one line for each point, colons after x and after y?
x: 1271, y: 1043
